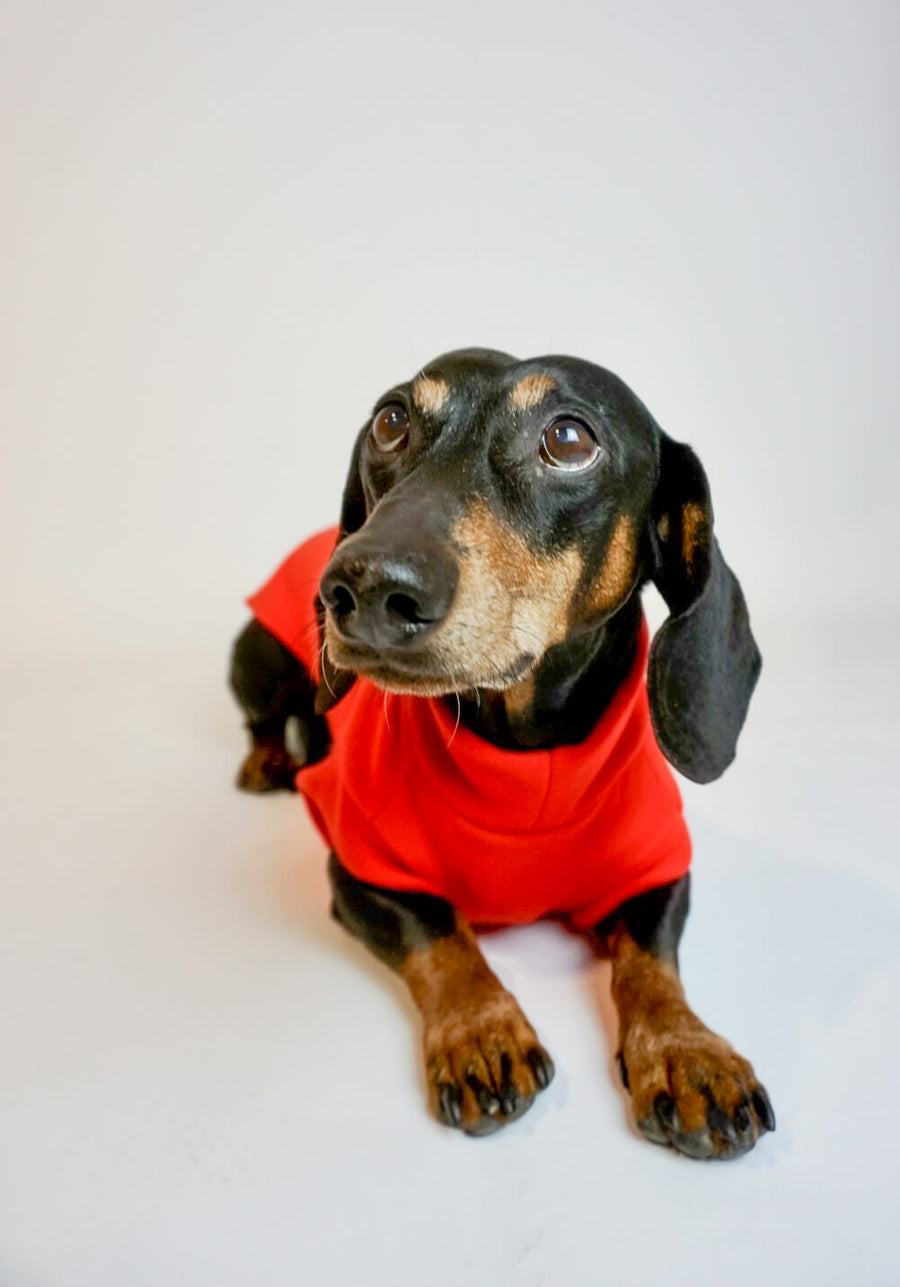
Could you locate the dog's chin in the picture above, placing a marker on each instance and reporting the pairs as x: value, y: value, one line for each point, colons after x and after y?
x: 420, y: 676
x: 395, y: 681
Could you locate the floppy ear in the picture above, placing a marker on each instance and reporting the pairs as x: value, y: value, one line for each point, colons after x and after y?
x: 353, y: 506
x: 335, y: 683
x: 704, y: 662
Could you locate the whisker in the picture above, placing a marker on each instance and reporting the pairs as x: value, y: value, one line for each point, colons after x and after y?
x: 458, y: 717
x: 301, y: 636
x: 324, y: 674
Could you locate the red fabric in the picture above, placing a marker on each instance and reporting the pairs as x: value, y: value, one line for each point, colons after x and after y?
x: 410, y: 802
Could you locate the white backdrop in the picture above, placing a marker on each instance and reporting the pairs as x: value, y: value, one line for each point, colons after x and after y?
x: 225, y: 230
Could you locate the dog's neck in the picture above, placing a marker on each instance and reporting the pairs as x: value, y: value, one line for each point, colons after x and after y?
x: 562, y: 699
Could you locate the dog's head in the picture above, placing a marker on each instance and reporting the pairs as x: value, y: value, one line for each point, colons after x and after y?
x: 495, y: 508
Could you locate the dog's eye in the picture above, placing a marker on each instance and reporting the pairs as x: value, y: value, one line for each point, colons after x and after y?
x: 390, y: 428
x: 568, y: 444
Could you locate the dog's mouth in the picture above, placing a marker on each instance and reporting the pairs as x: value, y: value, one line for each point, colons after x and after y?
x: 418, y: 673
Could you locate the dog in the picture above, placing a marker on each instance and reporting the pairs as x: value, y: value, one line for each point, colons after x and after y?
x: 483, y: 728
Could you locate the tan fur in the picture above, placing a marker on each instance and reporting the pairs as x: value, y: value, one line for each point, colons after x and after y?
x: 518, y: 698
x: 509, y: 601
x: 665, y: 1047
x: 471, y: 1023
x: 343, y: 660
x: 692, y: 521
x: 268, y: 767
x: 430, y: 393
x: 531, y: 390
x: 614, y: 579
x: 449, y: 974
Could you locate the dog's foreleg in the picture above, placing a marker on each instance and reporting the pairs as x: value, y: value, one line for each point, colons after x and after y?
x: 483, y: 1061
x: 689, y: 1089
x: 271, y: 686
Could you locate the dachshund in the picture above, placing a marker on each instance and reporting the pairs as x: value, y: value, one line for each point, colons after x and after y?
x: 460, y: 682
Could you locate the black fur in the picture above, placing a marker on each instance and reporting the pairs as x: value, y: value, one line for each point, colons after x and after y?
x: 391, y: 924
x: 272, y: 687
x: 703, y: 664
x: 704, y: 661
x: 654, y: 920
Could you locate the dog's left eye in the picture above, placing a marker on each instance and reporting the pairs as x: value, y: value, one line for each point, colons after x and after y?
x: 568, y: 444
x: 390, y: 428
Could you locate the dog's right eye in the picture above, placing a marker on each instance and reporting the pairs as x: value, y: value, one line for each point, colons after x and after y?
x: 390, y: 428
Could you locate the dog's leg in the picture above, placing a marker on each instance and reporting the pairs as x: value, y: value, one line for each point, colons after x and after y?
x: 483, y: 1061
x: 271, y: 685
x: 688, y: 1088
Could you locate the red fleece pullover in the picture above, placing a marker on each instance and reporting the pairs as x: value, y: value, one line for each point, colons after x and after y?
x: 410, y: 802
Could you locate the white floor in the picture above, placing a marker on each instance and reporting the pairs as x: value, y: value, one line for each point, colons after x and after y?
x: 204, y: 1081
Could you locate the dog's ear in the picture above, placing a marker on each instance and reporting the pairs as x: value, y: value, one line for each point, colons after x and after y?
x: 353, y: 506
x: 704, y: 661
x: 335, y: 683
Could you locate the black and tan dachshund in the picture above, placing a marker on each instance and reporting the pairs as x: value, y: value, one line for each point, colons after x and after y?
x: 499, y: 521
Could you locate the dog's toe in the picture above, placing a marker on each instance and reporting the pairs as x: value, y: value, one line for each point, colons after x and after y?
x: 692, y: 1092
x: 485, y: 1070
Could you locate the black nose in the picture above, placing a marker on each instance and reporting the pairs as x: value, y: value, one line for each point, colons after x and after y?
x: 387, y: 600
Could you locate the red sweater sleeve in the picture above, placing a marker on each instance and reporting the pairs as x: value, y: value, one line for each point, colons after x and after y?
x: 286, y: 604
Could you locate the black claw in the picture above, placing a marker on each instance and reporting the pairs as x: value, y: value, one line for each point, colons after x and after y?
x: 623, y: 1071
x: 743, y: 1120
x: 542, y: 1066
x: 667, y: 1111
x: 487, y: 1100
x: 509, y: 1102
x: 722, y: 1124
x: 509, y: 1096
x: 764, y: 1110
x: 450, y: 1105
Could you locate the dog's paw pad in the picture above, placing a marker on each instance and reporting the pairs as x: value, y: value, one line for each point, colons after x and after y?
x: 484, y: 1069
x: 692, y: 1092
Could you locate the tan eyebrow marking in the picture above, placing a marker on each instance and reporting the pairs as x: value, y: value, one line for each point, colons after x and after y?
x: 430, y: 393
x: 531, y: 390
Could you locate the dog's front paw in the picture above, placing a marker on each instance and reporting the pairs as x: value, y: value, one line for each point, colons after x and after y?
x: 691, y: 1091
x: 268, y: 768
x: 484, y: 1066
